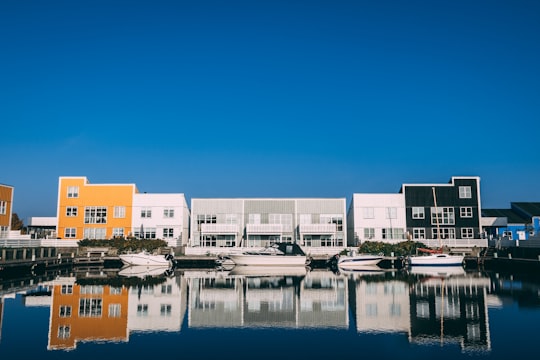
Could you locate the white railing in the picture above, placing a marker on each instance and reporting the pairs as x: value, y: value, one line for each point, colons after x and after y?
x: 219, y: 229
x: 26, y: 243
x: 264, y: 228
x: 318, y: 228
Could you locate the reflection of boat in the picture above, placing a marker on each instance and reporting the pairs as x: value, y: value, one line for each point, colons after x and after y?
x: 436, y: 257
x: 354, y: 261
x: 143, y: 271
x: 224, y: 262
x: 278, y: 254
x: 269, y: 270
x: 437, y: 271
x: 146, y: 258
x: 362, y: 270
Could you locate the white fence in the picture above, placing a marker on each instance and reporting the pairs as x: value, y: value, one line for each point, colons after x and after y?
x: 26, y: 243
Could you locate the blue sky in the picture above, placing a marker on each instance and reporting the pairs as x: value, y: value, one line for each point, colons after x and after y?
x: 295, y: 98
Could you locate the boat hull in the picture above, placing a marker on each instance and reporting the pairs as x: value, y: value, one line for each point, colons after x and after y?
x: 144, y: 259
x: 360, y: 261
x: 267, y: 260
x: 436, y: 260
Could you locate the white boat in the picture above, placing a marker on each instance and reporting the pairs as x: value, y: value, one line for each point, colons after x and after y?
x: 359, y: 271
x: 436, y: 260
x: 354, y: 261
x: 146, y: 258
x: 142, y: 271
x: 278, y: 254
x: 436, y: 257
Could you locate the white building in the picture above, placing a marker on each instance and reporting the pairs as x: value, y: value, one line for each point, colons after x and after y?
x: 376, y: 217
x: 316, y: 224
x: 161, y: 216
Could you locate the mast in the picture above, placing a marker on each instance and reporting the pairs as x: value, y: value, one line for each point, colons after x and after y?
x: 437, y: 217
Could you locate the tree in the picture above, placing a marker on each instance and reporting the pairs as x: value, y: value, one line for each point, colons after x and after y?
x: 16, y: 223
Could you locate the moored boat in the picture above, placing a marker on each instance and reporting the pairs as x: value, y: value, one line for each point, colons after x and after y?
x: 278, y: 254
x: 146, y: 258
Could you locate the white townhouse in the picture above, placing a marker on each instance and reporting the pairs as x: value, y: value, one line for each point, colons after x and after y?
x: 161, y: 216
x: 376, y: 217
x: 221, y: 225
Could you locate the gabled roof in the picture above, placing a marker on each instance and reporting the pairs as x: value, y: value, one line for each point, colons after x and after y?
x: 529, y: 208
x: 512, y: 217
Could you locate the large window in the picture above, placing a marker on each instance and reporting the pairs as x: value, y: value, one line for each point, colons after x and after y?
x: 445, y: 215
x: 445, y: 233
x: 168, y: 213
x: 392, y: 233
x: 3, y: 207
x: 95, y: 233
x: 419, y: 233
x: 119, y: 212
x: 90, y: 307
x: 118, y: 232
x: 369, y: 233
x: 465, y: 212
x: 333, y: 219
x: 70, y: 233
x: 71, y: 211
x: 95, y: 215
x: 418, y: 212
x: 465, y: 192
x: 73, y: 192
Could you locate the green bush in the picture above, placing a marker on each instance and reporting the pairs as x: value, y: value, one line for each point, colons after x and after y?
x: 124, y: 245
x: 403, y: 248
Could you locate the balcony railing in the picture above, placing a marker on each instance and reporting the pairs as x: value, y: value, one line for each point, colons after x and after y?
x: 219, y: 228
x: 318, y: 228
x: 264, y: 229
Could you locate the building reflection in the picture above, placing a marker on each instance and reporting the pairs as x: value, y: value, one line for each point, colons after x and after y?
x: 430, y: 308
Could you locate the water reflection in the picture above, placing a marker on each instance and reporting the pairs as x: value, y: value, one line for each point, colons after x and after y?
x: 435, y: 306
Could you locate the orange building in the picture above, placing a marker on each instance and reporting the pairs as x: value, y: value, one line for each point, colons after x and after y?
x: 6, y: 206
x: 93, y: 211
x: 87, y: 313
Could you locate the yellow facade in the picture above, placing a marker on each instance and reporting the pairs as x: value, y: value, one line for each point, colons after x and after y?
x: 6, y: 203
x: 87, y: 313
x: 93, y: 210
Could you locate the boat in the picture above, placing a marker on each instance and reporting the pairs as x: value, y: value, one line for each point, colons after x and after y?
x: 224, y: 262
x: 277, y: 254
x: 435, y: 257
x: 353, y: 260
x: 145, y: 258
x: 142, y: 271
x: 361, y: 271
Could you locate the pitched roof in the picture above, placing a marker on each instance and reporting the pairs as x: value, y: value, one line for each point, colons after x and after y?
x: 529, y: 208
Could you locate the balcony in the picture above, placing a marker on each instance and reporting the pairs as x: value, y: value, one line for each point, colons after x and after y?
x: 266, y: 229
x: 318, y: 228
x: 219, y: 228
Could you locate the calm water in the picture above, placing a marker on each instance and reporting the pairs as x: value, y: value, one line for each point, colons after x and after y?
x: 318, y: 314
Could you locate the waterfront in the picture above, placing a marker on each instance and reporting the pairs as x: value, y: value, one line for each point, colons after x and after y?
x: 319, y: 314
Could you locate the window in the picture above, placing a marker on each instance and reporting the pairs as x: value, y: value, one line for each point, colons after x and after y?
x: 465, y: 192
x: 445, y: 215
x: 64, y: 332
x: 65, y: 311
x: 391, y: 213
x: 70, y: 233
x: 166, y: 289
x: 165, y: 309
x: 254, y: 218
x: 507, y: 234
x: 419, y: 233
x: 392, y: 233
x: 446, y: 233
x: 168, y: 232
x: 369, y: 233
x: 148, y: 233
x: 73, y: 192
x: 95, y: 233
x: 115, y: 310
x: 369, y: 213
x: 168, y: 213
x: 91, y: 289
x: 418, y: 213
x: 333, y: 219
x: 3, y: 207
x: 95, y: 215
x: 467, y: 233
x: 142, y: 310
x: 465, y: 212
x: 90, y: 307
x: 66, y: 289
x: 146, y: 213
x: 118, y: 232
x: 71, y: 211
x: 115, y: 290
x: 119, y: 212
